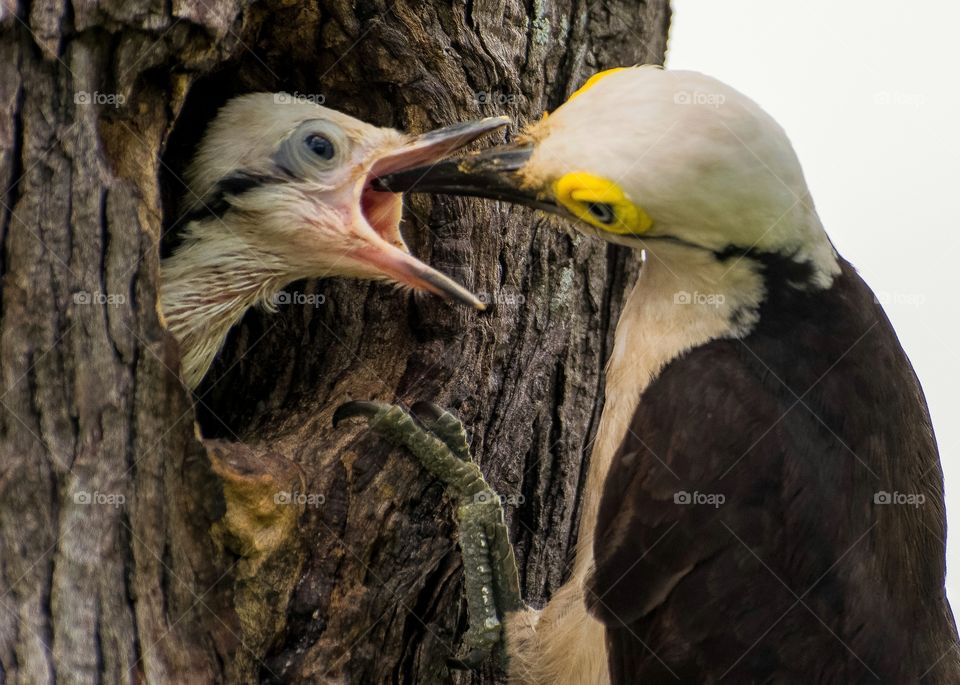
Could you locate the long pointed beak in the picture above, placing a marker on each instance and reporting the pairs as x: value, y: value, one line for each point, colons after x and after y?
x: 492, y: 174
x: 402, y: 267
x: 433, y: 146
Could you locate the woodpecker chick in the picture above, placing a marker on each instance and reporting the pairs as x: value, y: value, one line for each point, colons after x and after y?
x: 280, y: 190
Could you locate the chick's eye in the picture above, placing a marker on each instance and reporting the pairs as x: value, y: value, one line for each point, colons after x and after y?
x: 602, y: 212
x: 320, y: 146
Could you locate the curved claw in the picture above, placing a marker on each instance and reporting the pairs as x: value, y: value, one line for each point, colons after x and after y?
x: 445, y: 425
x: 357, y: 408
x: 427, y: 410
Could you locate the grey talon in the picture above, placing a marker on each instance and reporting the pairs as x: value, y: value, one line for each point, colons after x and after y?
x: 428, y: 410
x: 438, y: 440
x: 445, y: 425
x: 357, y: 409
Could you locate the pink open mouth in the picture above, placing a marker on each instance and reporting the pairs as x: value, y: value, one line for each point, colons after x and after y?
x: 389, y: 255
x: 381, y: 209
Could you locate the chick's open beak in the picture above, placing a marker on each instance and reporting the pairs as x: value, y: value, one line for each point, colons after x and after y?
x: 381, y: 207
x: 493, y: 174
x: 402, y: 267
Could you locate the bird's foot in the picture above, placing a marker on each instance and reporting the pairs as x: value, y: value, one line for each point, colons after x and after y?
x: 491, y: 583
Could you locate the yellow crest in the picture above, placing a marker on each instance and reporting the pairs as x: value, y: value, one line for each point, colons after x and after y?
x: 593, y: 80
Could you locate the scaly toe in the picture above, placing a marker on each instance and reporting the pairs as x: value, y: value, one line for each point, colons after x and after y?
x: 357, y: 409
x: 445, y: 425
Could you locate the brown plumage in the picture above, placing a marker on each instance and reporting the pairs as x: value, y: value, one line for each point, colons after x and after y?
x: 762, y: 463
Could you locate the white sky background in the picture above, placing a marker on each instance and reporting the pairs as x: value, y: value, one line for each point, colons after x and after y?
x: 869, y: 93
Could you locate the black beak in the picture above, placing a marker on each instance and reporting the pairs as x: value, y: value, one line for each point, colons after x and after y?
x: 492, y: 174
x: 432, y: 146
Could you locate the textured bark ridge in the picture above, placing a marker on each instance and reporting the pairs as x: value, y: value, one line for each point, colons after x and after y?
x: 130, y: 554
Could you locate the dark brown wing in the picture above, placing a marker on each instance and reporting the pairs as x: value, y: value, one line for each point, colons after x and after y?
x: 743, y: 532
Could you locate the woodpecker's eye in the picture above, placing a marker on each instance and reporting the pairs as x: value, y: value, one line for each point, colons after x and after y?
x: 602, y: 212
x: 600, y: 202
x: 320, y: 146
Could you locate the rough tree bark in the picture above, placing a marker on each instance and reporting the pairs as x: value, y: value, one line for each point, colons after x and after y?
x: 122, y: 539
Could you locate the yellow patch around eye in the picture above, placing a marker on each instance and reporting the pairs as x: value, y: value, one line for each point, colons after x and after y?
x: 600, y: 202
x: 593, y: 80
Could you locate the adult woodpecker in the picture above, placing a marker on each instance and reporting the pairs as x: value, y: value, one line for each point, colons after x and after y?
x: 764, y: 500
x: 279, y: 190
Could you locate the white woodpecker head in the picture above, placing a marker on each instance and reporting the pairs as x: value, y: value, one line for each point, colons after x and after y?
x: 280, y: 189
x: 641, y: 155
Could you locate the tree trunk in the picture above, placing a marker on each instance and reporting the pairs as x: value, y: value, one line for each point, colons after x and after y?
x: 123, y: 549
